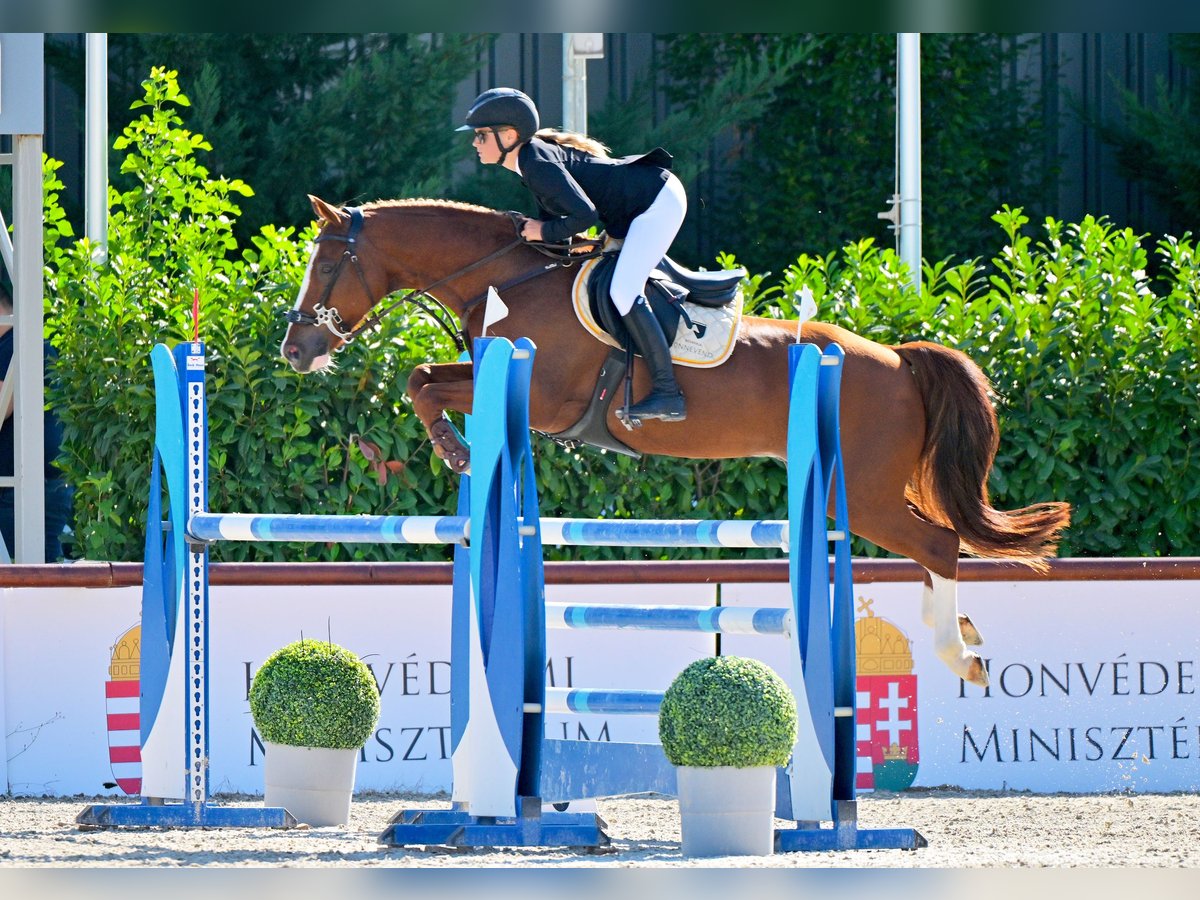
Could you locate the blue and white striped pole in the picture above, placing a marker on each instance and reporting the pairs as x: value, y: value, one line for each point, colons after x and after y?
x: 707, y: 619
x: 665, y: 533
x: 209, y: 527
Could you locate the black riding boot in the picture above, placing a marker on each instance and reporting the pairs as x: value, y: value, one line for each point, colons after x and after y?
x: 665, y: 400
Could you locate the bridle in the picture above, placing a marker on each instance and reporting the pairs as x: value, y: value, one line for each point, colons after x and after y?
x: 329, y: 317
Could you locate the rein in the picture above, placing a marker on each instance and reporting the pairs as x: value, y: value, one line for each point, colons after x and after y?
x: 330, y: 318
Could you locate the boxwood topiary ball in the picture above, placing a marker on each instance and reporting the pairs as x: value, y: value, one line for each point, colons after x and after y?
x: 728, y: 711
x: 314, y: 694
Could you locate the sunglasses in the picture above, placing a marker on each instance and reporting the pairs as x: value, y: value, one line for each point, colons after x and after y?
x: 479, y: 137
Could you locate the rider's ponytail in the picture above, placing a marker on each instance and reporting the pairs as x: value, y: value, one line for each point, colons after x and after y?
x: 573, y: 139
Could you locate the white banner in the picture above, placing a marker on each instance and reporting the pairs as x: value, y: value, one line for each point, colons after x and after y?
x: 1093, y: 683
x: 70, y: 667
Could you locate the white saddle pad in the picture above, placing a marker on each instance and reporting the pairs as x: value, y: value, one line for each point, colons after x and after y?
x: 709, y: 342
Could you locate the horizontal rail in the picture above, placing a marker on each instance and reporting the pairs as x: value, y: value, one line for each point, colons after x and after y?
x: 664, y: 533
x: 100, y: 574
x: 708, y: 619
x: 210, y: 527
x: 613, y: 702
x: 603, y: 702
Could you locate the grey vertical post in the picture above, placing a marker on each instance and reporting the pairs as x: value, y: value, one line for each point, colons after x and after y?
x: 578, y: 48
x: 22, y: 115
x: 96, y: 143
x: 29, y: 399
x: 908, y: 103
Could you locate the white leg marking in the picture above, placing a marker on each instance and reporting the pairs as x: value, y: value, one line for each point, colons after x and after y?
x: 947, y: 638
x: 927, y: 603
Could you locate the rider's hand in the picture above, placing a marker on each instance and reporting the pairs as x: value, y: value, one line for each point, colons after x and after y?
x: 532, y: 230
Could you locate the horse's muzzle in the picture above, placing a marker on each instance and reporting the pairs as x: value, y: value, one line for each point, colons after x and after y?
x: 307, y: 351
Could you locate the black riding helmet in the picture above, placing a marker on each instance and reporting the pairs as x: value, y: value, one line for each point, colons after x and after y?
x: 501, y: 107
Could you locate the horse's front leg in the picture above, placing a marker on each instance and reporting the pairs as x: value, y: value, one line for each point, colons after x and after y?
x: 434, y: 389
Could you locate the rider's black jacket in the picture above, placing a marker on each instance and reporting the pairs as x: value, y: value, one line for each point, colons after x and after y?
x: 574, y: 189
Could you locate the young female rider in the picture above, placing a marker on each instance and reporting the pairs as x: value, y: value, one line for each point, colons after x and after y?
x: 575, y: 184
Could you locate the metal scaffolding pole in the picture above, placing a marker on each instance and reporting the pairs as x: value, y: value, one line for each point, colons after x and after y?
x: 28, y: 362
x: 578, y: 48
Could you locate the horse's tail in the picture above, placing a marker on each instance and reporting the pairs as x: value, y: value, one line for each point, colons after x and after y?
x: 949, y: 486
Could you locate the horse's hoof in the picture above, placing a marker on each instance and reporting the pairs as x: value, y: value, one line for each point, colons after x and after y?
x: 976, y: 673
x: 459, y: 465
x: 964, y: 663
x: 970, y: 634
x: 449, y: 448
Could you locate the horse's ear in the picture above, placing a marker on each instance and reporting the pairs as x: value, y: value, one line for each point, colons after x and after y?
x: 325, y: 212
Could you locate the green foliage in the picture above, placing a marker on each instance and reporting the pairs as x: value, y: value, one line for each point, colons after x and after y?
x: 1093, y: 367
x: 349, y: 117
x: 1155, y: 139
x: 314, y: 694
x: 279, y: 442
x: 728, y: 711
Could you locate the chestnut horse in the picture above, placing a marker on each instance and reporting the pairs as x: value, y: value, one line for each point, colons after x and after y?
x: 919, y: 432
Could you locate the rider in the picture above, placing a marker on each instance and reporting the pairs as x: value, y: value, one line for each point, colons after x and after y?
x: 575, y: 184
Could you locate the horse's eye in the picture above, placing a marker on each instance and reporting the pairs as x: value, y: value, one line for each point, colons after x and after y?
x: 326, y: 268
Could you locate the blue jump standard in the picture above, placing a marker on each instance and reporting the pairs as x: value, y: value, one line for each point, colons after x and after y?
x: 512, y: 774
x: 507, y: 617
x: 185, y: 815
x: 533, y: 828
x: 846, y: 835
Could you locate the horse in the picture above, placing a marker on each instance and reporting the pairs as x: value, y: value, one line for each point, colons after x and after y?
x: 919, y: 431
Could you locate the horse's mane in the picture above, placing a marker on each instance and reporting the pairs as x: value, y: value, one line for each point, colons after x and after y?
x: 431, y: 204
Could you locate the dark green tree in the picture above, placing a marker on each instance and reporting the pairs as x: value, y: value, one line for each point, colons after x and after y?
x: 349, y: 117
x: 1156, y: 141
x: 813, y: 169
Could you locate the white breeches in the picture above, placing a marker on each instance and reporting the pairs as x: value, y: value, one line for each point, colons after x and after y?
x: 649, y: 238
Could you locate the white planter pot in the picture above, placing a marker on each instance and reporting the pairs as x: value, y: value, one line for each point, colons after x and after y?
x: 314, y: 784
x: 727, y: 811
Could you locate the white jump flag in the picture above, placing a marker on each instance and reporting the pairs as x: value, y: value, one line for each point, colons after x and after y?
x: 808, y: 308
x: 493, y: 311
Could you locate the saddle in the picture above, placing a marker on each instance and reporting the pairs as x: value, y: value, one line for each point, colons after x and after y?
x: 670, y: 285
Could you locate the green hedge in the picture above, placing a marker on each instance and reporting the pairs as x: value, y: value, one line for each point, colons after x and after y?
x: 1094, y: 369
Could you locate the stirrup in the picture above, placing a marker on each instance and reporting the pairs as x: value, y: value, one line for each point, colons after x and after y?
x: 662, y: 406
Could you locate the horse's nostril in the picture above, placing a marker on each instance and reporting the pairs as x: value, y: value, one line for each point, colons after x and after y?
x: 291, y: 352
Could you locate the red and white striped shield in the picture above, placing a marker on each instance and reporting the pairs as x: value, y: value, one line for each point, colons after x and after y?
x: 124, y: 724
x: 886, y: 715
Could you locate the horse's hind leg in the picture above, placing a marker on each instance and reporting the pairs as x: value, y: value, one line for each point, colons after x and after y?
x: 952, y: 632
x: 894, y: 526
x: 970, y: 634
